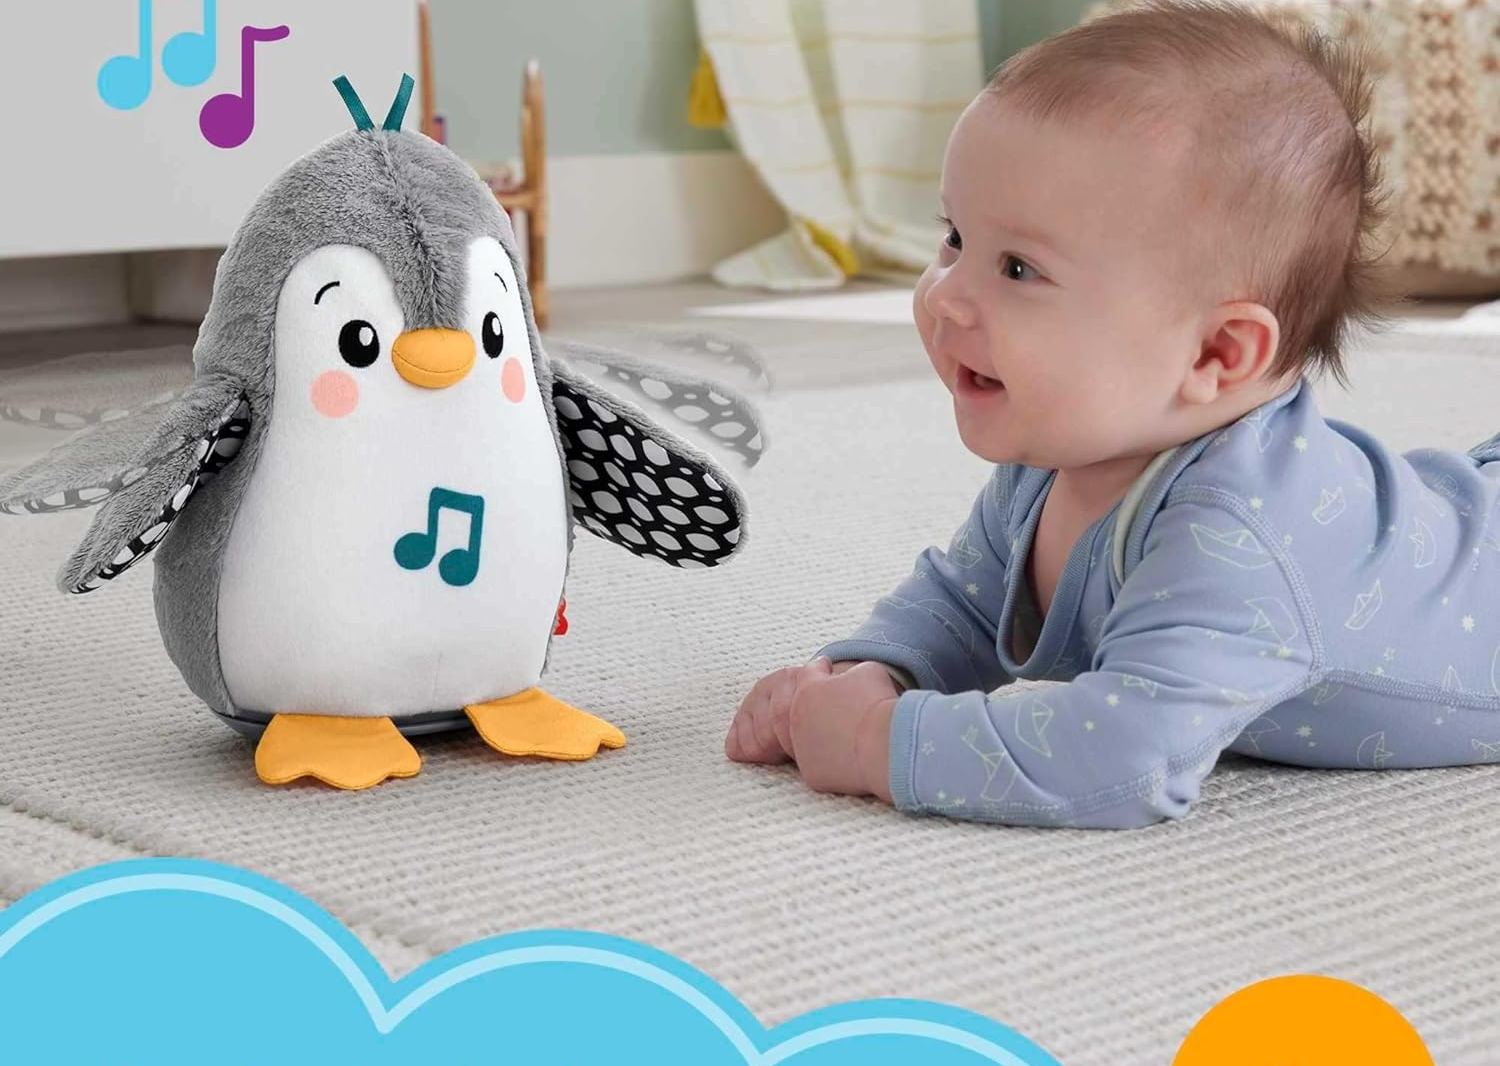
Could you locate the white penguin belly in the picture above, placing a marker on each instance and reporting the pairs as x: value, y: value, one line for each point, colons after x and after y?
x: 319, y: 613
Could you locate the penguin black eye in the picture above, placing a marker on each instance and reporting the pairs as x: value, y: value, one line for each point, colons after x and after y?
x: 492, y: 335
x: 359, y: 344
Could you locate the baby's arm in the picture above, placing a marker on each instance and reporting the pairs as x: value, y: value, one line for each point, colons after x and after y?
x: 938, y: 628
x: 936, y: 631
x: 1208, y: 632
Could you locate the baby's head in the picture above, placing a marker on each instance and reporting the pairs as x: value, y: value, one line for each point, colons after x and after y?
x: 1157, y: 220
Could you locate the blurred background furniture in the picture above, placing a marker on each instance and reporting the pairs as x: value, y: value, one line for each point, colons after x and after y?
x: 520, y: 188
x: 113, y: 181
x: 1435, y: 119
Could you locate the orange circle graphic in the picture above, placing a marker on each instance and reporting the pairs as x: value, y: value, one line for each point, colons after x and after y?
x: 1303, y: 1020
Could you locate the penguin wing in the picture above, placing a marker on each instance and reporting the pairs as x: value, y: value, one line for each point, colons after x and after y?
x: 632, y: 482
x: 709, y: 409
x: 142, y: 469
x: 694, y: 344
x: 79, y: 391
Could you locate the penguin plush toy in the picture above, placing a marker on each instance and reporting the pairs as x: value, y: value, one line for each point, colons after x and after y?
x: 361, y: 510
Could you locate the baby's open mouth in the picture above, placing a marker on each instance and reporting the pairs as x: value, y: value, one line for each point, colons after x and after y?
x: 973, y: 381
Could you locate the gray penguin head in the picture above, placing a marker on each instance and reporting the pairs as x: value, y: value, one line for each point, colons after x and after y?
x: 400, y: 195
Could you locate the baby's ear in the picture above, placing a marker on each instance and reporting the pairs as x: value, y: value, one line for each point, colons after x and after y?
x: 1237, y: 347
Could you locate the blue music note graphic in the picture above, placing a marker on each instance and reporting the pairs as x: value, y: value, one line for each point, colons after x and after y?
x: 189, y: 58
x: 125, y: 80
x: 459, y: 567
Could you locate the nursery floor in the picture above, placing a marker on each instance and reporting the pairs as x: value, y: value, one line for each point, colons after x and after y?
x: 1105, y: 948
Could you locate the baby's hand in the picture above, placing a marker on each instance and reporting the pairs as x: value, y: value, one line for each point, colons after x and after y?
x: 761, y: 731
x: 841, y: 729
x: 833, y: 720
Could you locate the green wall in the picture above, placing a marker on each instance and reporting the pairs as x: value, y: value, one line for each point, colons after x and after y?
x: 1010, y: 25
x: 616, y: 72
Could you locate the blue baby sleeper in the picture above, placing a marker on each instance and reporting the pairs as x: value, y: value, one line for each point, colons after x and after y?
x: 1284, y: 587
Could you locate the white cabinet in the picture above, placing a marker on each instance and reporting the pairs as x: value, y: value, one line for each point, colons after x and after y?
x: 80, y: 176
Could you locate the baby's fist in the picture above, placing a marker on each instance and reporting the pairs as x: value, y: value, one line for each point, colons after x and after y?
x: 761, y: 729
x: 840, y: 728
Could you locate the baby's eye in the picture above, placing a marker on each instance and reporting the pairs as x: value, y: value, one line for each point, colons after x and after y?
x: 953, y: 240
x: 1018, y: 269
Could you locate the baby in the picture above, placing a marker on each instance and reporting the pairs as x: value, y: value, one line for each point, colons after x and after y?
x: 1159, y: 225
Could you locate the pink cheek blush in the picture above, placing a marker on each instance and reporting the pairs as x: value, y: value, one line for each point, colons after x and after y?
x: 513, y: 380
x: 335, y: 394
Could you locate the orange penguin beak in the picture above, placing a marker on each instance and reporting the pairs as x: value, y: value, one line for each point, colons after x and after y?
x: 433, y: 358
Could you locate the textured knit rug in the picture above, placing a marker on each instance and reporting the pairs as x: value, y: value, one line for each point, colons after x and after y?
x: 1105, y: 948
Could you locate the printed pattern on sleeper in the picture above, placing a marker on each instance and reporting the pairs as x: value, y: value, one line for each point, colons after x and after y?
x: 1293, y: 591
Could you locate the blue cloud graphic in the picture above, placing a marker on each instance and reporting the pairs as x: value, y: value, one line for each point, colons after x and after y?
x: 166, y: 962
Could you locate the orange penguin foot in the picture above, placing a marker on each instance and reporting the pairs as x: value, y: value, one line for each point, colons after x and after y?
x: 348, y: 753
x: 534, y: 723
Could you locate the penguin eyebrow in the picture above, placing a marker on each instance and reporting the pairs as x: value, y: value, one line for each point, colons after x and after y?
x: 502, y: 281
x: 321, y: 291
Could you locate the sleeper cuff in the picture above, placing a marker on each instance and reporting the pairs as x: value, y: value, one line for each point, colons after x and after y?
x: 908, y: 667
x: 904, y: 750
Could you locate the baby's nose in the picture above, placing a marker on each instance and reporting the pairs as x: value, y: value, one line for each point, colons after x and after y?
x: 947, y: 302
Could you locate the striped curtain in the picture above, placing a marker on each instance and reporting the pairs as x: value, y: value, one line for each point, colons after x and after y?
x: 843, y: 108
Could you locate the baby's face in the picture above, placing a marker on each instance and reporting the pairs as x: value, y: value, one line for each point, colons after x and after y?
x: 1055, y: 312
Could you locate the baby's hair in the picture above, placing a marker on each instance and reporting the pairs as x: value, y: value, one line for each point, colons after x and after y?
x: 1275, y: 112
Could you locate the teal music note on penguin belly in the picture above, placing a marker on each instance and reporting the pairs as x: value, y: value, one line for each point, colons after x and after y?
x: 459, y: 567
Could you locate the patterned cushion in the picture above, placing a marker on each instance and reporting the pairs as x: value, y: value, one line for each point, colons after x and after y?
x: 1436, y: 120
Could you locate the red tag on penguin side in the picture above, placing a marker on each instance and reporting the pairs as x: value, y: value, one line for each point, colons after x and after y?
x: 562, y: 619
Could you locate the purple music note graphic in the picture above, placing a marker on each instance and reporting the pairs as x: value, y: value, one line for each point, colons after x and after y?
x: 227, y: 120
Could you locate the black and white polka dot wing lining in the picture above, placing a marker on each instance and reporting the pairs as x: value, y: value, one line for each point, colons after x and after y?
x: 68, y: 421
x: 717, y: 414
x: 212, y: 452
x: 729, y: 356
x: 729, y: 352
x: 88, y: 469
x: 630, y: 483
x: 73, y: 499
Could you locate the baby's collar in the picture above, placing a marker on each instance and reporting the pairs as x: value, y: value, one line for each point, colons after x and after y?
x: 1152, y: 484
